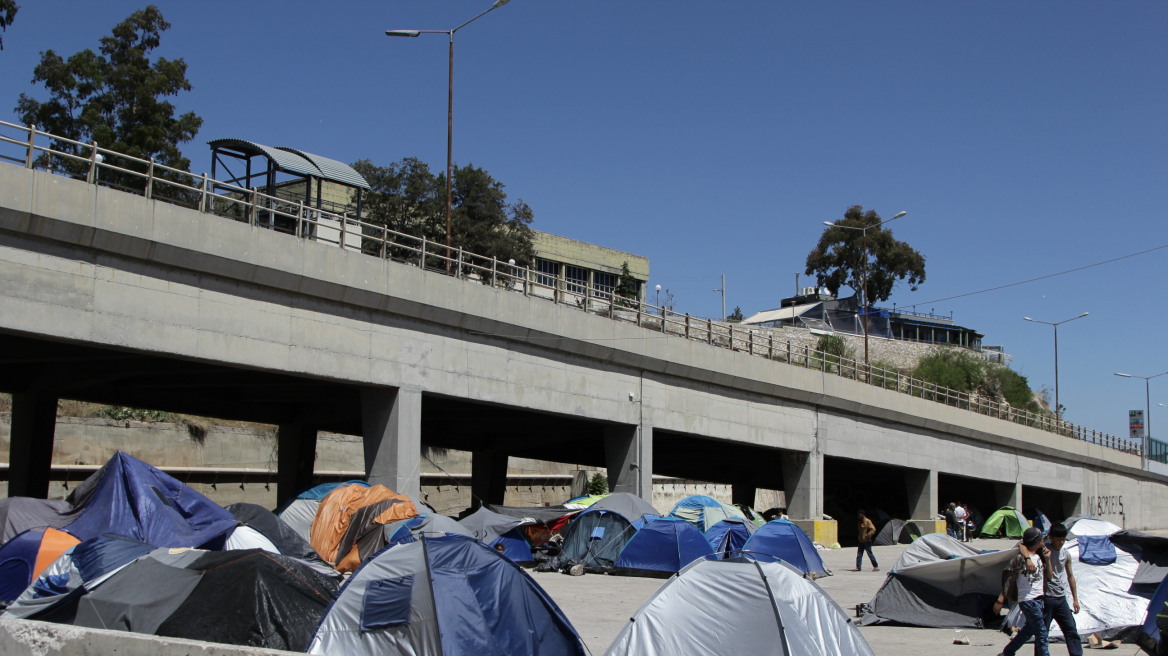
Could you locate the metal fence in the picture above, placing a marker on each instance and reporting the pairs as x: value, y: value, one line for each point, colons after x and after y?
x: 33, y: 148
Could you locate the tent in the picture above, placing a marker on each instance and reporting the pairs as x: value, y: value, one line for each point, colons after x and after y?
x: 449, y: 595
x: 582, y: 502
x: 661, y: 548
x: 25, y: 556
x: 349, y: 522
x: 897, y: 531
x: 299, y: 512
x: 19, y: 514
x: 703, y: 512
x: 541, y: 523
x: 1005, y: 521
x: 1086, y: 525
x: 282, y: 536
x: 940, y: 582
x: 1150, y: 637
x: 739, y: 606
x: 1039, y: 520
x: 430, y: 525
x: 494, y: 529
x: 730, y: 535
x: 251, y: 598
x: 780, y: 539
x: 130, y: 498
x: 1151, y: 551
x: 595, y: 539
x: 751, y: 514
x: 631, y: 506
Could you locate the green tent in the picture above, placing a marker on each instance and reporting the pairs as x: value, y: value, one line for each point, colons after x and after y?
x: 1005, y: 521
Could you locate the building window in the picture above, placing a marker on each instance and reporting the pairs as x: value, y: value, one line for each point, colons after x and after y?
x: 576, y: 279
x: 546, y: 272
x: 605, y: 284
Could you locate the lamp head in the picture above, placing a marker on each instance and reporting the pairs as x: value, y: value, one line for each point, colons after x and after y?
x: 402, y: 32
x: 898, y: 215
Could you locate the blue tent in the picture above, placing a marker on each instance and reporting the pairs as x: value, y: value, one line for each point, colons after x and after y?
x: 448, y: 596
x: 664, y: 546
x: 595, y: 539
x: 130, y: 498
x: 782, y: 540
x: 495, y: 529
x: 1149, y: 635
x: 703, y: 511
x: 730, y: 535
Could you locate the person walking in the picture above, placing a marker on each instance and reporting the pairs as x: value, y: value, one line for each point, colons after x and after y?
x: 1027, y: 574
x: 1061, y: 586
x: 951, y: 520
x: 866, y: 532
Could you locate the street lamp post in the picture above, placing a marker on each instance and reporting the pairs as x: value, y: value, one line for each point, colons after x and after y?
x: 449, y: 114
x: 659, y: 298
x: 1147, y: 414
x: 1057, y: 407
x: 864, y: 270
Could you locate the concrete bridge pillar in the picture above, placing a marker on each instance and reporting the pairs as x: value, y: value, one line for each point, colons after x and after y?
x: 628, y: 454
x: 30, y: 451
x: 296, y: 458
x: 391, y: 421
x: 1007, y: 494
x: 803, y: 483
x: 924, y: 499
x: 488, y: 477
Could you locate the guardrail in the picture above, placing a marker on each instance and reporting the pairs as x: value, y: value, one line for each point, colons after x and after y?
x: 104, y: 167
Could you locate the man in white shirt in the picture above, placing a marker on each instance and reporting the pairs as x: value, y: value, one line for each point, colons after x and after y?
x: 1030, y: 569
x: 1061, y: 586
x: 960, y: 513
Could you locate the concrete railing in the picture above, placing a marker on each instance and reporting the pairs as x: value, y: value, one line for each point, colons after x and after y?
x: 33, y: 148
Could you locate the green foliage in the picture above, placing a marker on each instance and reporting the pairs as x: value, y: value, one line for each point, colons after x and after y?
x: 627, y: 287
x: 122, y: 413
x: 8, y: 9
x: 833, y: 345
x: 115, y: 98
x: 966, y: 372
x: 598, y: 484
x: 408, y: 198
x: 736, y: 316
x: 846, y: 255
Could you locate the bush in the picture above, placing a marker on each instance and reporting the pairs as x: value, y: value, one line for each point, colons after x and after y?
x: 953, y: 368
x: 598, y: 484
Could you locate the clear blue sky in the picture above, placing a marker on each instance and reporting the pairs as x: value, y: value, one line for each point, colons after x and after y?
x: 1023, y: 138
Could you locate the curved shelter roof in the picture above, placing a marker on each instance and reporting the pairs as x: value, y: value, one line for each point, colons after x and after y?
x: 298, y: 161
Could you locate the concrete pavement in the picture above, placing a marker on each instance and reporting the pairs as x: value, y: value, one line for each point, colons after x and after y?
x: 599, y: 606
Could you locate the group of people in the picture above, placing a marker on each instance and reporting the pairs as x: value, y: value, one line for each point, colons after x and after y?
x: 1041, y: 580
x: 959, y: 521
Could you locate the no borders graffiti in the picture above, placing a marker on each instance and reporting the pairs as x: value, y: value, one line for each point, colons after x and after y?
x: 1111, y: 505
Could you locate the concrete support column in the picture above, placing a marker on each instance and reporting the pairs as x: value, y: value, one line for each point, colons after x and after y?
x: 30, y: 452
x: 1008, y: 494
x: 391, y: 423
x: 488, y: 477
x: 803, y: 485
x: 295, y: 458
x: 628, y: 454
x: 924, y: 499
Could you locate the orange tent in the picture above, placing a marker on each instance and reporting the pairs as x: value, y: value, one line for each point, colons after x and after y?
x: 348, y: 515
x: 26, y: 555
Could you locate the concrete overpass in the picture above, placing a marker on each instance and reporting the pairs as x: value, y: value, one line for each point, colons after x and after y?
x: 115, y: 298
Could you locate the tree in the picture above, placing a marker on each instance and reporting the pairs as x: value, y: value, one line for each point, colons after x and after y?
x: 736, y: 316
x: 858, y: 248
x: 115, y: 97
x: 485, y: 223
x: 405, y: 198
x: 8, y: 9
x: 627, y: 288
x: 598, y: 484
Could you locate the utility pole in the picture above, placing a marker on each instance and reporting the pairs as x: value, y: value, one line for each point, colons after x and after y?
x: 723, y: 290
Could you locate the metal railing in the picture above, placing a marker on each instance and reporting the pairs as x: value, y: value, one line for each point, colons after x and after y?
x: 30, y: 148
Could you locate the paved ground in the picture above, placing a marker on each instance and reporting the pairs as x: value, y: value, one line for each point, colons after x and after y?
x: 599, y: 606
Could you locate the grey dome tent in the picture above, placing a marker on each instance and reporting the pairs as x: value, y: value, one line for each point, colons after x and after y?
x: 739, y: 606
x: 443, y: 596
x: 630, y: 506
x: 940, y: 582
x: 595, y: 539
x: 897, y: 531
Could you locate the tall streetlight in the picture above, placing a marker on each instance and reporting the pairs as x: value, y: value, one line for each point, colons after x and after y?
x: 449, y: 114
x: 658, y: 298
x: 1147, y: 413
x: 1057, y: 407
x: 864, y: 269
